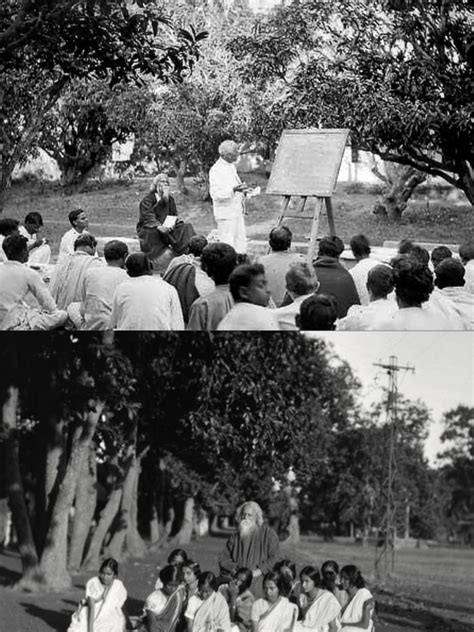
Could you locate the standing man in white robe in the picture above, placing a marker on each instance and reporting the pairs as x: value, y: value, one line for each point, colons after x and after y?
x: 227, y: 193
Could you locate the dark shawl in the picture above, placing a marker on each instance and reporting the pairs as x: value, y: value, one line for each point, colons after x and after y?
x: 335, y: 279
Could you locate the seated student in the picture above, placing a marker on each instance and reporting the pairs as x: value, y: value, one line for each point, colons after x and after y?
x: 330, y: 581
x: 186, y: 275
x: 155, y: 208
x: 301, y: 282
x: 67, y: 278
x: 357, y: 614
x: 79, y: 225
x: 332, y: 275
x: 98, y: 289
x: 164, y: 606
x: 288, y: 568
x: 413, y: 286
x: 102, y: 608
x: 177, y: 557
x: 438, y: 254
x: 319, y: 607
x: 218, y: 260
x: 18, y: 282
x: 191, y: 572
x: 360, y: 247
x: 317, y: 313
x: 38, y: 249
x: 379, y: 286
x: 240, y: 599
x: 450, y: 284
x: 277, y: 263
x: 251, y: 295
x: 274, y: 613
x: 212, y: 613
x: 145, y: 301
x: 8, y: 226
x: 466, y: 254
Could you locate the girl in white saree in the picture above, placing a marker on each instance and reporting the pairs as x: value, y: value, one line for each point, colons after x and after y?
x: 319, y: 607
x: 357, y: 614
x: 275, y: 613
x: 212, y: 614
x: 101, y: 610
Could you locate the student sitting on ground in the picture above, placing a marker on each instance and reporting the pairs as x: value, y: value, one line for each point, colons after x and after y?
x: 301, y: 283
x: 18, y: 284
x: 274, y: 613
x: 450, y: 284
x: 218, y: 260
x: 38, y: 249
x: 331, y: 581
x: 164, y: 606
x: 145, y: 301
x: 438, y: 254
x: 379, y: 286
x: 466, y: 254
x: 251, y: 295
x: 288, y: 568
x: 360, y: 247
x: 240, y: 600
x: 98, y: 289
x: 278, y: 262
x: 8, y: 226
x: 79, y: 225
x: 319, y: 608
x: 357, y: 614
x: 317, y: 313
x: 213, y: 612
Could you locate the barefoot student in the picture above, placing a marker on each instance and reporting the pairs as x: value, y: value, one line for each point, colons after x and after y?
x: 102, y: 608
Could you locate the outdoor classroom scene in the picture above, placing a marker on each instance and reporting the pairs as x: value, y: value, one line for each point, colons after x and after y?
x: 249, y: 179
x: 271, y: 482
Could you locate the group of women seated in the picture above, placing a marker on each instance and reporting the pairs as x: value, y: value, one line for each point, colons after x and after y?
x: 186, y: 599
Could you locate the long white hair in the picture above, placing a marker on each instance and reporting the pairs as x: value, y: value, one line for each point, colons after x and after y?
x: 256, y: 508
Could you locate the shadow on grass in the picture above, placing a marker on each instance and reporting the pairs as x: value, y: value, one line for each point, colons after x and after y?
x: 8, y: 577
x: 56, y: 619
x: 406, y: 617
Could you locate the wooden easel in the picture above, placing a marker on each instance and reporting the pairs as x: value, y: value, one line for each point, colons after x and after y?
x: 307, y: 164
x: 314, y: 218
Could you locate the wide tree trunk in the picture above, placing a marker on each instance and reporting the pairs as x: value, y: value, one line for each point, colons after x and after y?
x: 15, y: 491
x: 84, y: 508
x: 54, y: 557
x: 401, y: 183
x: 106, y: 519
x: 133, y: 541
x: 115, y: 547
x: 185, y: 532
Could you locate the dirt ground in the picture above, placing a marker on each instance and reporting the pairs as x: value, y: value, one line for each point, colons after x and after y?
x: 429, y: 590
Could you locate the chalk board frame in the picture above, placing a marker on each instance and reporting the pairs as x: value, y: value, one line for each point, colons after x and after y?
x: 338, y: 136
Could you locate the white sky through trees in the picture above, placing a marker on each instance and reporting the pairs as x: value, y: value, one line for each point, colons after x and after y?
x: 444, y: 369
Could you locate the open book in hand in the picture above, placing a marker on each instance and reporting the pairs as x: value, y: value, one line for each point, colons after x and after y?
x: 253, y: 191
x: 170, y: 221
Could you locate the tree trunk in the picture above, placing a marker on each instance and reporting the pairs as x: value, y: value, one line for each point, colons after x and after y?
x: 84, y: 508
x: 107, y: 516
x: 15, y: 491
x: 154, y: 526
x: 184, y: 534
x: 205, y: 191
x: 54, y: 557
x: 466, y: 179
x: 180, y: 170
x: 116, y: 545
x: 402, y: 183
x: 133, y: 540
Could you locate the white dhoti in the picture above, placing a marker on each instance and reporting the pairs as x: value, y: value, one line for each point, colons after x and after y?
x: 228, y: 205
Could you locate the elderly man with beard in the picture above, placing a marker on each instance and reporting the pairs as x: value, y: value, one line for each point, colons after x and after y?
x: 155, y: 231
x: 254, y: 545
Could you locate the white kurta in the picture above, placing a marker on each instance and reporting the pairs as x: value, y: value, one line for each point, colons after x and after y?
x: 40, y: 254
x: 249, y: 317
x: 360, y: 273
x: 148, y: 303
x: 228, y: 205
x: 66, y: 246
x: 362, y: 317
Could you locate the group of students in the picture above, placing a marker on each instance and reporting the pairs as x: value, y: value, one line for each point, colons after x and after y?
x: 211, y: 287
x: 186, y: 599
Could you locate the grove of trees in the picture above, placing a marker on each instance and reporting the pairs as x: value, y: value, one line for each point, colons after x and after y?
x: 112, y: 443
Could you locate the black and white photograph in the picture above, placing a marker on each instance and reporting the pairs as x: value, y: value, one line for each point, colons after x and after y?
x: 236, y: 314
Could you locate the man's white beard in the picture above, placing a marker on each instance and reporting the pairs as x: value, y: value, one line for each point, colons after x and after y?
x: 246, y: 528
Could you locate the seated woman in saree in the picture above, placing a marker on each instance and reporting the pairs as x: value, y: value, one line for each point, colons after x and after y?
x: 240, y: 600
x: 102, y: 608
x: 159, y: 226
x: 212, y: 614
x: 319, y: 607
x: 357, y: 614
x: 177, y: 557
x: 274, y: 613
x: 287, y: 567
x: 331, y: 581
x: 191, y: 572
x: 164, y: 606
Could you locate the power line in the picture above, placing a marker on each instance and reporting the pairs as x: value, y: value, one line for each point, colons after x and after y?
x: 385, y: 549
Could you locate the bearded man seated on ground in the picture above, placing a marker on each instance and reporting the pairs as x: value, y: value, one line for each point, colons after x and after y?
x: 254, y: 545
x: 155, y: 209
x: 19, y: 283
x: 68, y: 276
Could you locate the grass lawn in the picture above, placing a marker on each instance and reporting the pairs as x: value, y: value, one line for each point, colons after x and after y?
x: 113, y: 211
x: 433, y: 580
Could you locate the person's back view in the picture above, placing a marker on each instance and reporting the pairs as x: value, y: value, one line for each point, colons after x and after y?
x: 333, y: 277
x: 317, y: 313
x: 278, y: 262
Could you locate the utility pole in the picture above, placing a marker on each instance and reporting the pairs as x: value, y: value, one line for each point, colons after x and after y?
x: 385, y: 549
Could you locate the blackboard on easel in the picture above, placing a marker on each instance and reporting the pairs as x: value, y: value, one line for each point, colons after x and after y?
x: 307, y: 164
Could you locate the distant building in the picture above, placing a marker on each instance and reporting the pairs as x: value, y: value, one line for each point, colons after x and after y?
x: 263, y: 6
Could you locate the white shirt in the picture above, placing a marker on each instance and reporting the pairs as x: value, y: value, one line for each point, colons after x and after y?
x: 16, y: 282
x: 249, y: 317
x: 98, y: 294
x: 146, y: 302
x: 361, y: 317
x: 360, y: 273
x: 223, y: 177
x: 286, y: 315
x: 414, y: 319
x: 66, y: 246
